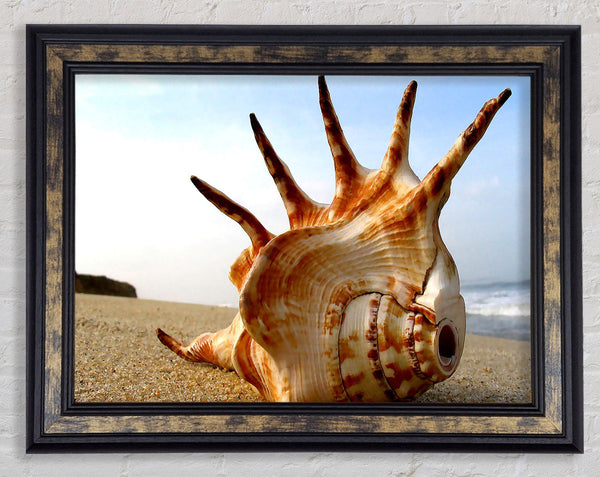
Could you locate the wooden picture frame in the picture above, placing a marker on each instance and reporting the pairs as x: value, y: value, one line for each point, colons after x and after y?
x: 548, y: 55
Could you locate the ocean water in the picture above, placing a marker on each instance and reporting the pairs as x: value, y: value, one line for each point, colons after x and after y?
x: 498, y: 309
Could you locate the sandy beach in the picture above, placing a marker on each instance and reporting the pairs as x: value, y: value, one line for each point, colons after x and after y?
x: 119, y: 359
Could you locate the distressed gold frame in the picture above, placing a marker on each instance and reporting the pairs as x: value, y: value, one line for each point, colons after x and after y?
x: 549, y: 55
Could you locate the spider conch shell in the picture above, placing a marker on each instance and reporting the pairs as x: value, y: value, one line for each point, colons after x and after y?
x: 360, y: 299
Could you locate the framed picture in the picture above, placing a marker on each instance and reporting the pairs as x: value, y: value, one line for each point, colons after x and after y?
x: 368, y: 305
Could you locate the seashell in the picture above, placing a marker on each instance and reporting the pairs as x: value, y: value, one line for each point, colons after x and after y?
x: 360, y: 299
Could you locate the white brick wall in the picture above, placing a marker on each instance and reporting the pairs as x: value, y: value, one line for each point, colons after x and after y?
x: 14, y: 14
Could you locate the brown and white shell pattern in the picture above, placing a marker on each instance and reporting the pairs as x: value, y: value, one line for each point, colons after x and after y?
x: 360, y: 299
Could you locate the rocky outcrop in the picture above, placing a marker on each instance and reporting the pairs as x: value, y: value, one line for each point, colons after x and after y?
x: 101, y: 285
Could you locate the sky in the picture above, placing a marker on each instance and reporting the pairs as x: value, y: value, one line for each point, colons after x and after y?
x: 139, y: 138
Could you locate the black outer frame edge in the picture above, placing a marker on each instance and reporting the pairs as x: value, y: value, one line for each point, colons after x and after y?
x: 571, y: 239
x: 29, y: 207
x: 35, y: 437
x: 255, y: 442
x: 35, y: 233
x: 306, y: 34
x: 577, y: 246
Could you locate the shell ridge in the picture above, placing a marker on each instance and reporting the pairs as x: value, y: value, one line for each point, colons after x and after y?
x: 350, y: 175
x: 299, y: 206
x: 359, y: 364
x: 395, y: 160
x: 445, y: 170
x: 258, y: 234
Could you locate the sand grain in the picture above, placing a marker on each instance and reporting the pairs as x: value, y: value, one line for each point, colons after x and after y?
x: 119, y: 359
